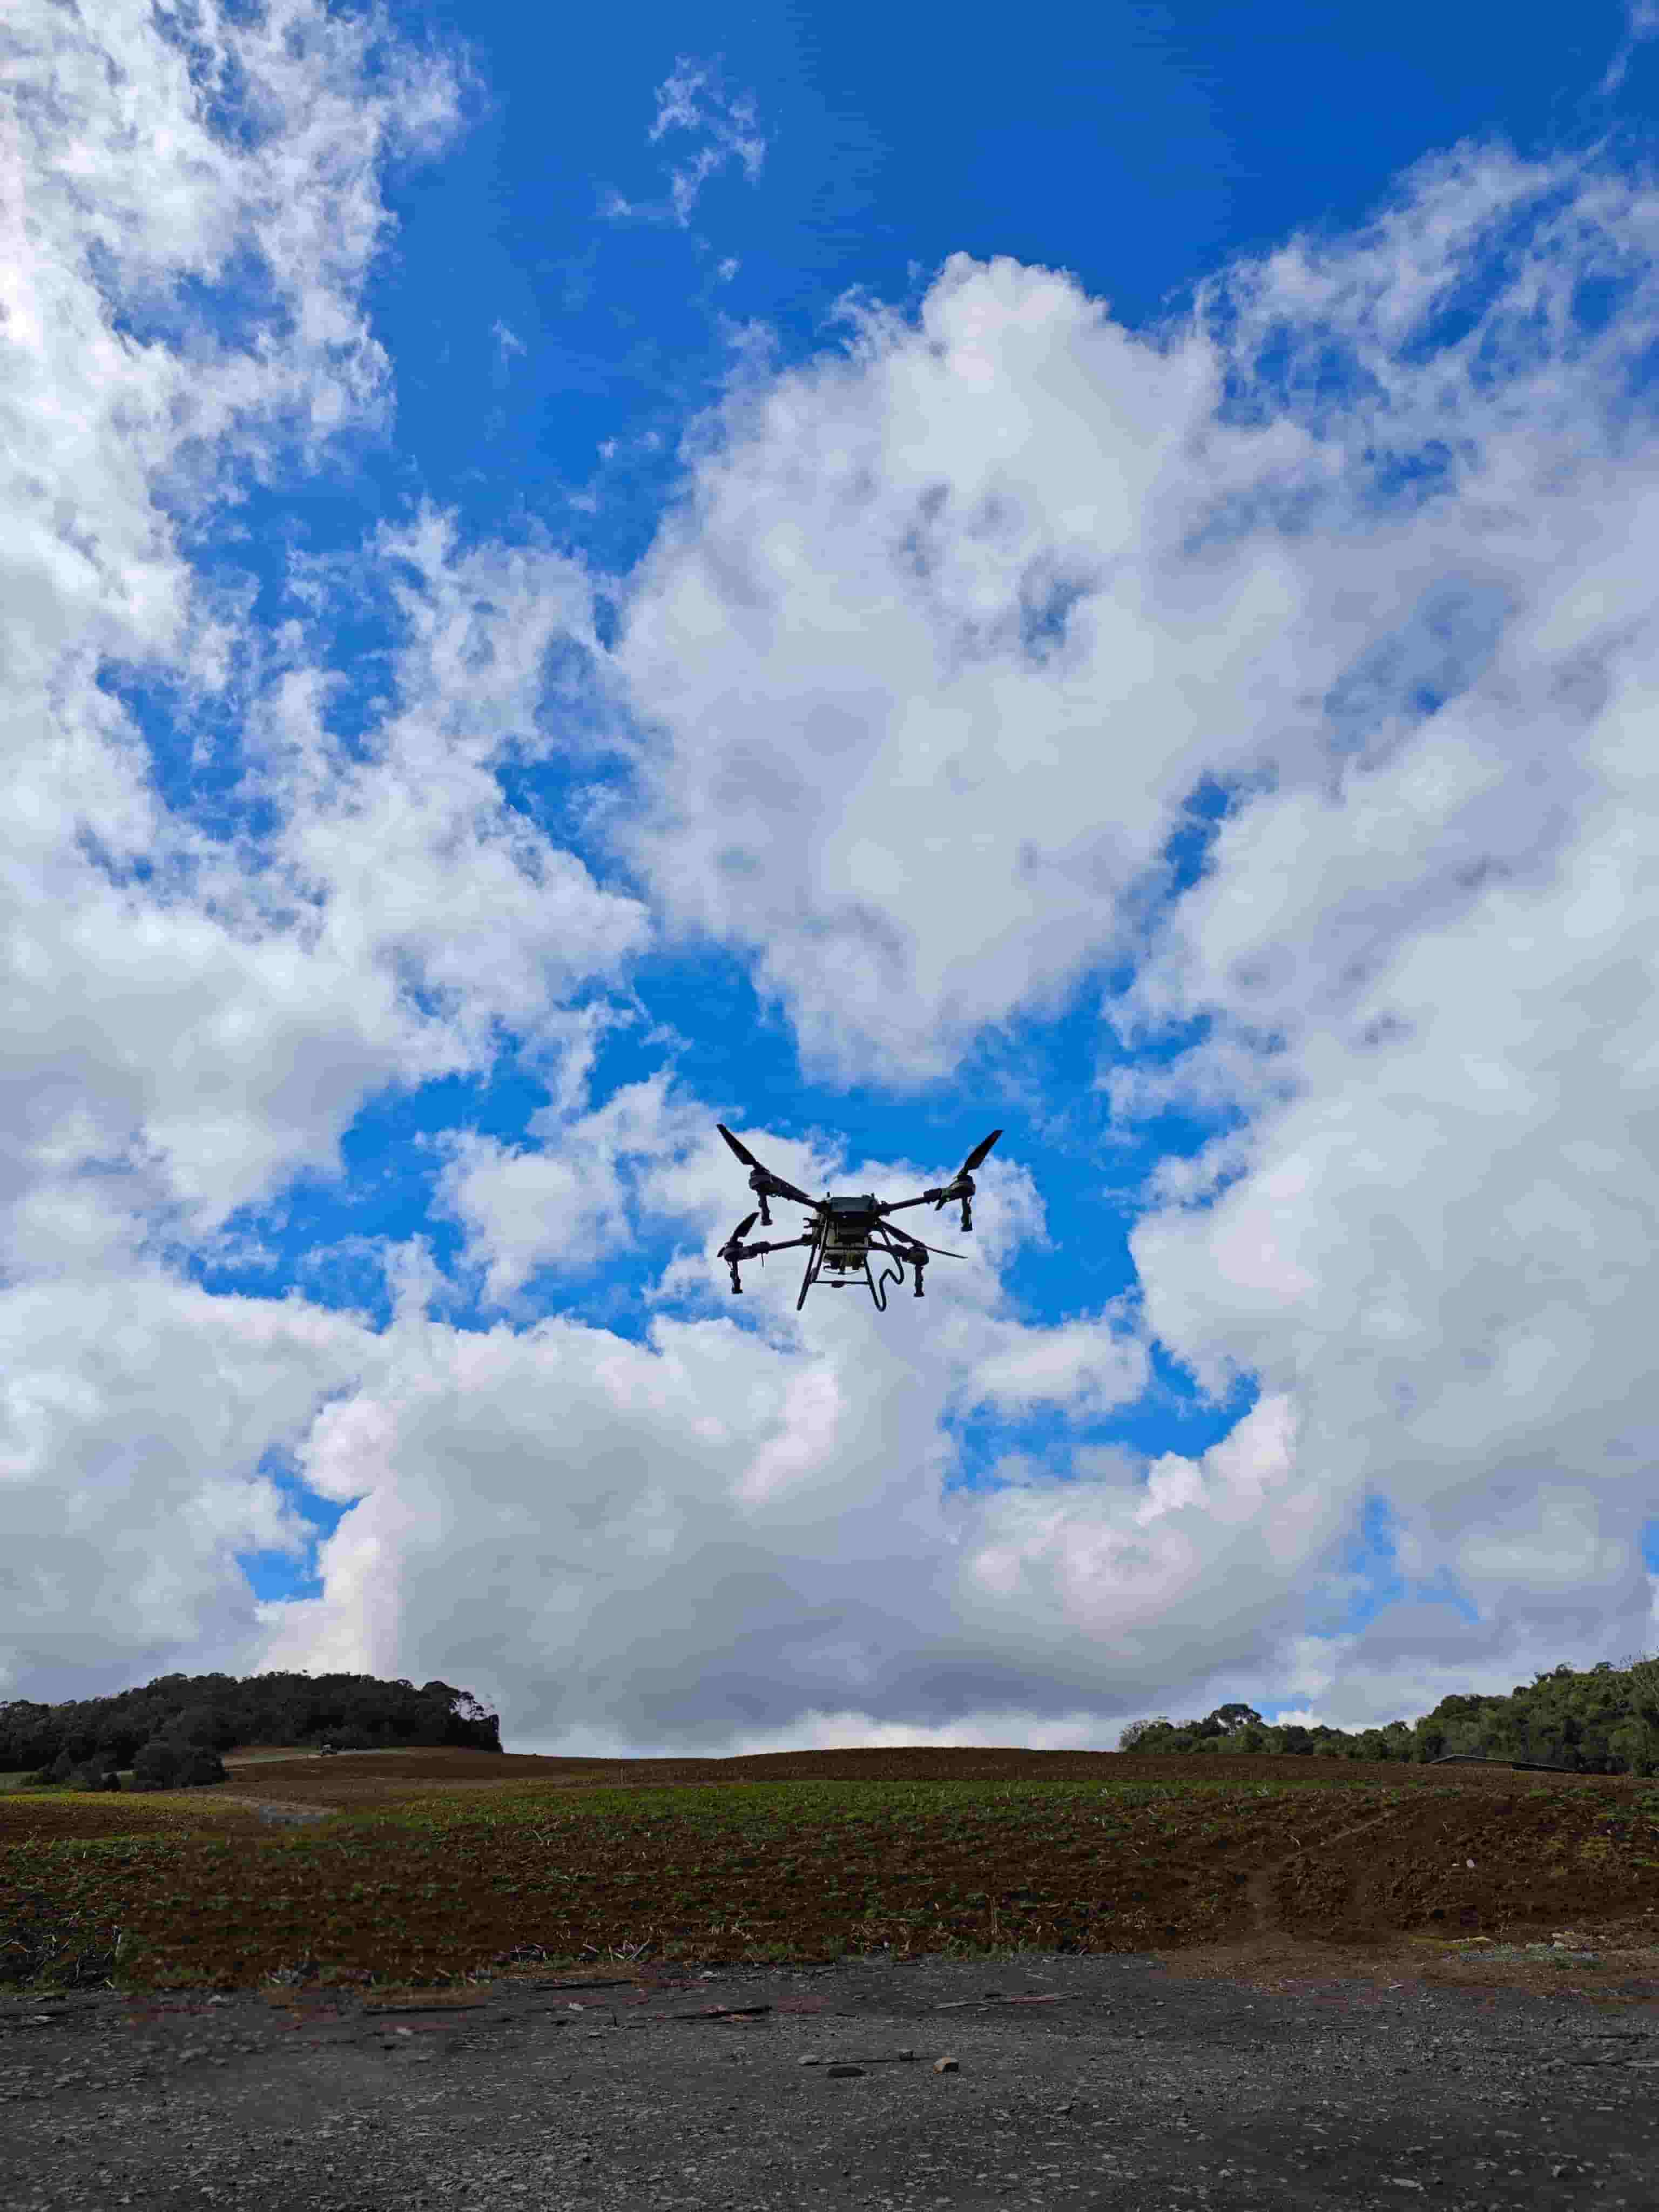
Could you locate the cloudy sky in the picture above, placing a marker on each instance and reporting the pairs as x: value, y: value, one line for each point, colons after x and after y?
x: 870, y: 586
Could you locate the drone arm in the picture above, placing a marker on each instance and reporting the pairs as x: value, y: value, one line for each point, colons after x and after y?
x: 765, y: 1185
x: 733, y: 1253
x: 960, y: 1187
x: 898, y: 1204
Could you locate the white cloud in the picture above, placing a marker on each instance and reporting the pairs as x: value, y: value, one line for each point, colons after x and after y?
x: 164, y: 1044
x: 133, y: 1418
x: 508, y: 343
x: 917, y: 720
x: 562, y: 1199
x: 1088, y: 1368
x: 528, y: 1502
x: 694, y: 99
x: 1642, y: 23
x: 189, y: 1021
x: 952, y: 625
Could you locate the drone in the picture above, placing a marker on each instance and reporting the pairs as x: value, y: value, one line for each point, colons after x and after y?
x: 845, y: 1230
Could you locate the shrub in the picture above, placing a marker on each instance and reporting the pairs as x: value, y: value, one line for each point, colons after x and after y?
x: 165, y: 1763
x: 95, y: 1774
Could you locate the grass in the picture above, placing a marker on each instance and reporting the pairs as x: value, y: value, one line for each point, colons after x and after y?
x: 432, y: 1871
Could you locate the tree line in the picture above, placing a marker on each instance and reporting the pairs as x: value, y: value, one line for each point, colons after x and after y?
x: 1603, y: 1720
x: 171, y: 1733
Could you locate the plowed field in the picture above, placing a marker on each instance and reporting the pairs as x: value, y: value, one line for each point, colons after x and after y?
x: 428, y: 1867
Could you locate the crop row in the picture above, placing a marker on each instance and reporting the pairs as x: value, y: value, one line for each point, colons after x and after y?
x: 455, y: 1884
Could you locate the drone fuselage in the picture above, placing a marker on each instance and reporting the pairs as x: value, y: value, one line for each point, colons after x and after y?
x: 847, y: 1230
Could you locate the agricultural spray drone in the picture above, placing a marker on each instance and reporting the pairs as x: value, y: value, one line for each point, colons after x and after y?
x: 846, y: 1230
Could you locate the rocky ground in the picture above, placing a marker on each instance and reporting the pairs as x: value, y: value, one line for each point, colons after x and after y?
x: 1209, y: 2084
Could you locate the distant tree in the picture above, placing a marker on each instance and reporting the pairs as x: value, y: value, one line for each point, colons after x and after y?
x: 168, y: 1763
x: 203, y: 1724
x: 1137, y: 1731
x: 1631, y: 1745
x: 1642, y: 1705
x: 218, y: 1712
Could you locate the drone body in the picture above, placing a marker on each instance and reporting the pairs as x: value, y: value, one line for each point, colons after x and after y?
x: 845, y: 1231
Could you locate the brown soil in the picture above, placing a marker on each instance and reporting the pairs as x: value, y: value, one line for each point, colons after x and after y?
x: 1357, y: 1868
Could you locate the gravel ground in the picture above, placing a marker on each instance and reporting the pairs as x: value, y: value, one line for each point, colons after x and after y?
x: 1076, y: 2083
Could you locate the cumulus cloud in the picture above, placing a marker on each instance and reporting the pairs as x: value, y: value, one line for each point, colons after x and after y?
x: 952, y: 624
x: 955, y: 624
x: 137, y: 1419
x: 194, y: 1016
x: 138, y: 982
x: 567, y: 1197
x: 712, y: 1540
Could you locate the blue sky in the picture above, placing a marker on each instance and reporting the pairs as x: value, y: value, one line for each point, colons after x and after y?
x: 869, y: 581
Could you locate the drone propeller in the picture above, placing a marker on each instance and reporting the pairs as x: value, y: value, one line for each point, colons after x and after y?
x: 976, y: 1157
x: 734, y: 1246
x: 960, y: 1184
x: 761, y: 1181
x: 742, y: 1151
